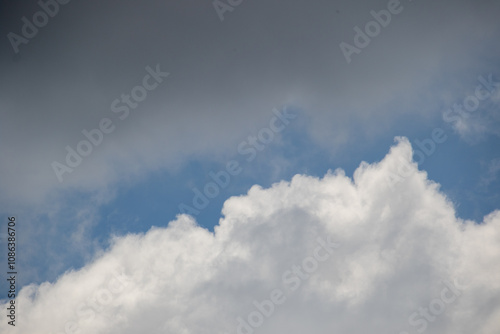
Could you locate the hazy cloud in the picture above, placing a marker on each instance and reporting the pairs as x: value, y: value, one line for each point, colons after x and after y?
x: 225, y: 78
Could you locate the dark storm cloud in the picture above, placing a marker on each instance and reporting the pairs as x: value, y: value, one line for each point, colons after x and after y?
x: 225, y: 77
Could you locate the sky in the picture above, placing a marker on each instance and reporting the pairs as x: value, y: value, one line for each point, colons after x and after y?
x: 236, y: 166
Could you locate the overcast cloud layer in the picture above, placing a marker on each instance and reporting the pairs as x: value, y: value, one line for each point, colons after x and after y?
x: 382, y: 252
x: 225, y: 78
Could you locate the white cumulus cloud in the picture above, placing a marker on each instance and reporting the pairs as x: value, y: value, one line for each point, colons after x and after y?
x: 329, y: 255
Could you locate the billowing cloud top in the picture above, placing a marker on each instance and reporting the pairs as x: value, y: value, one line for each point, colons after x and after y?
x: 382, y: 253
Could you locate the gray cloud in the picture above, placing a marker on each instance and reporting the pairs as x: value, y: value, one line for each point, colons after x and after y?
x: 225, y: 79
